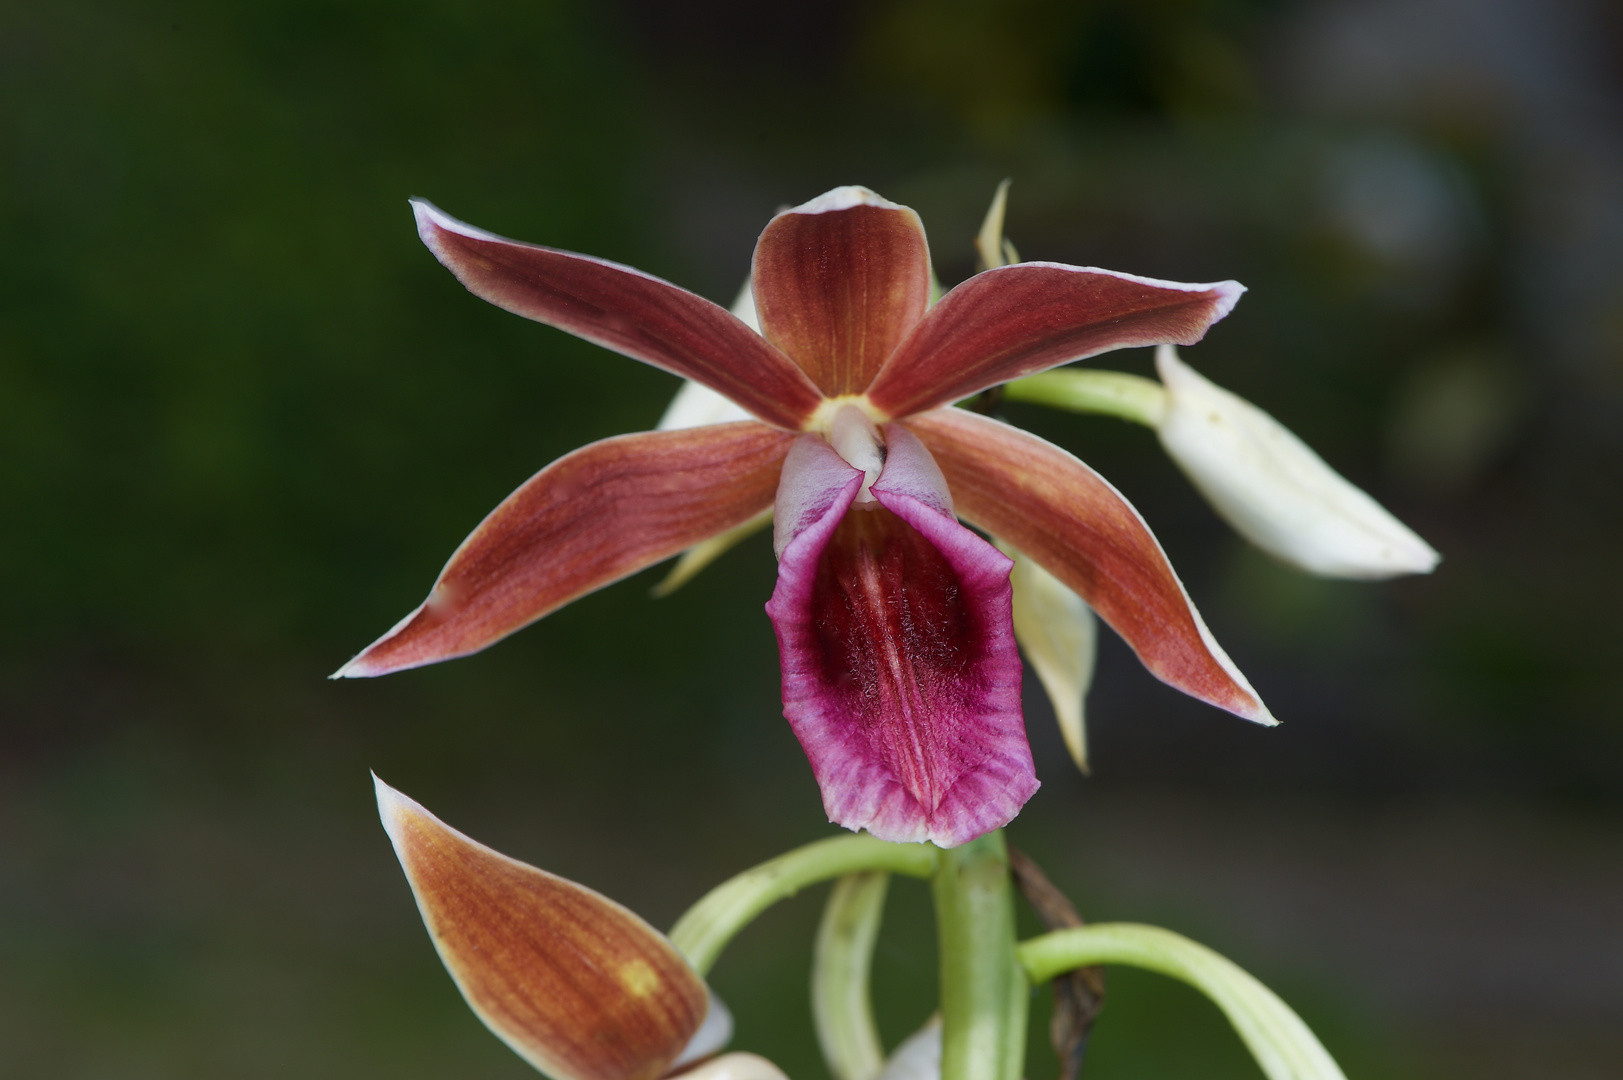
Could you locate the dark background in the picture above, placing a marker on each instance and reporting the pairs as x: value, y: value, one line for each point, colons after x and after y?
x: 244, y: 417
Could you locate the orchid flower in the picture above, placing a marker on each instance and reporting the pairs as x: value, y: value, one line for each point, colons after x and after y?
x: 901, y: 677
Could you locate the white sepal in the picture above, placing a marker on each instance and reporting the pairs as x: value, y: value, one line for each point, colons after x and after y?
x: 1274, y: 489
x: 696, y: 405
x: 1057, y: 631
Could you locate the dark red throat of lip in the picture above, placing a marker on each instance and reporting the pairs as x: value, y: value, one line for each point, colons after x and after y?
x: 898, y: 646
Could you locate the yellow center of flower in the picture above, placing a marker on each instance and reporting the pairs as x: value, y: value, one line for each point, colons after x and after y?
x: 821, y: 422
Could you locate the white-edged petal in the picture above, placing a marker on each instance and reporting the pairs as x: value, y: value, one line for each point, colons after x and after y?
x: 1274, y: 489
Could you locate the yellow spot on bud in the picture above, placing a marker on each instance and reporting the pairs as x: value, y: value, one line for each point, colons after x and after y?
x: 639, y: 979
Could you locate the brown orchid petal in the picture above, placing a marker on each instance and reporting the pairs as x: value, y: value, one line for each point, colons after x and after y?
x: 1069, y: 520
x: 577, y: 985
x: 839, y: 281
x: 1018, y: 320
x: 590, y: 518
x: 626, y: 310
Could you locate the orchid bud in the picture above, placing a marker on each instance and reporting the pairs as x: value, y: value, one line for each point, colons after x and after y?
x: 578, y: 986
x: 1273, y: 489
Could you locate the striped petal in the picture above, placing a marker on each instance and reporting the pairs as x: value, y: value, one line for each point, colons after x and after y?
x: 626, y: 310
x: 1076, y: 526
x: 900, y: 673
x: 838, y: 282
x: 577, y: 985
x: 1017, y: 320
x: 588, y: 519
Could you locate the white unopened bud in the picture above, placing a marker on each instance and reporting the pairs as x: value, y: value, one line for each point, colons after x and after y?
x: 1274, y: 489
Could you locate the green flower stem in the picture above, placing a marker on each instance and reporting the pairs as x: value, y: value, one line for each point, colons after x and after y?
x: 1114, y: 393
x: 720, y: 914
x: 841, y: 961
x: 984, y: 994
x: 1279, y: 1040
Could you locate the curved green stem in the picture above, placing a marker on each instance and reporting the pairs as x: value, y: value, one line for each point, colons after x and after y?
x: 842, y: 1009
x: 1282, y: 1044
x: 983, y: 987
x: 1113, y: 393
x: 720, y: 914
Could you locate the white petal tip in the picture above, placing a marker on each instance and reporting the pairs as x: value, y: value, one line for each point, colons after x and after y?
x: 351, y: 670
x: 1262, y: 716
x: 431, y: 217
x: 392, y: 807
x: 844, y: 198
x: 1228, y: 294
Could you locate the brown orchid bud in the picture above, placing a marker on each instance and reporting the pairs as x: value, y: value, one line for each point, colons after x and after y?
x: 576, y: 984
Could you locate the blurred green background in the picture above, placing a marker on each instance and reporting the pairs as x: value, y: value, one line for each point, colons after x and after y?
x: 244, y: 417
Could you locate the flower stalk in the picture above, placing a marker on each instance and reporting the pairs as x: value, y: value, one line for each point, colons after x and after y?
x: 842, y: 1006
x: 1087, y: 390
x: 1282, y: 1044
x: 704, y: 931
x: 983, y: 987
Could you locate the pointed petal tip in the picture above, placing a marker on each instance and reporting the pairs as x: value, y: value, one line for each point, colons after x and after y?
x: 354, y: 669
x: 392, y: 803
x: 430, y: 217
x: 1228, y: 294
x: 394, y: 808
x: 1261, y: 716
x: 366, y: 665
